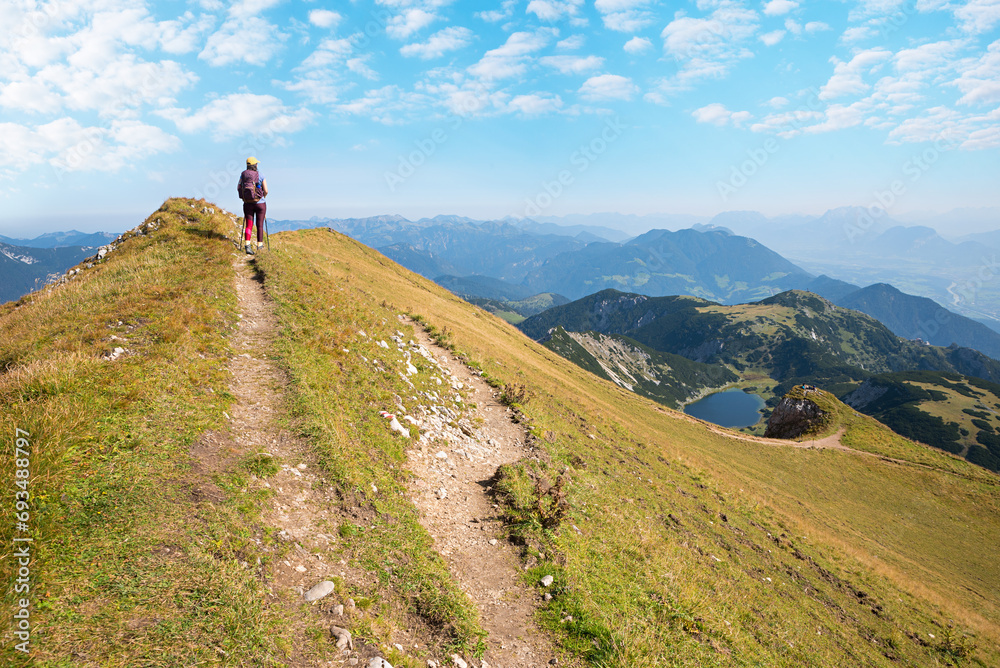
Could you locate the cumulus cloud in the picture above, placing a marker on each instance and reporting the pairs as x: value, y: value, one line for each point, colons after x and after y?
x: 779, y: 7
x: 624, y: 15
x: 572, y: 43
x: 69, y: 146
x: 324, y: 18
x: 717, y: 114
x: 638, y: 45
x: 231, y: 43
x: 511, y: 59
x: 858, y: 34
x: 554, y: 10
x: 978, y: 16
x: 441, y: 42
x: 817, y: 26
x: 608, y: 87
x: 773, y: 37
x: 240, y: 114
x: 412, y: 20
x: 573, y: 64
x: 979, y: 80
x: 535, y: 104
x: 848, y: 77
x: 707, y: 47
x: 496, y: 15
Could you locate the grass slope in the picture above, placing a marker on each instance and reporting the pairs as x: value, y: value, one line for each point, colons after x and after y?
x: 669, y: 544
x: 131, y: 564
x: 680, y: 546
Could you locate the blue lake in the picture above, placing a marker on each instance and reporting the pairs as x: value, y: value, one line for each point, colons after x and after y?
x: 732, y: 408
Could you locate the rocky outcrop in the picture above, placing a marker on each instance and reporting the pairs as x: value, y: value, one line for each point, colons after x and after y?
x: 794, y: 417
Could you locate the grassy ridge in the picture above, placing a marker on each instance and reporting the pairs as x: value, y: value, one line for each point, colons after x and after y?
x: 684, y: 547
x: 131, y: 566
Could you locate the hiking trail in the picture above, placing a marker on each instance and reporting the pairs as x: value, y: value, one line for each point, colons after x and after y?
x: 462, y: 519
x: 454, y: 469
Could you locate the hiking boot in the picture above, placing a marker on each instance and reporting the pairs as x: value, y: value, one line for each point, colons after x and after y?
x: 250, y: 250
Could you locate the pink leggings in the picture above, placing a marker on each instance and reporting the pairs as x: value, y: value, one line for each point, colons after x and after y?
x: 252, y: 210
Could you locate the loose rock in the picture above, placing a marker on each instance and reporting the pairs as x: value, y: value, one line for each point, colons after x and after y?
x: 319, y: 591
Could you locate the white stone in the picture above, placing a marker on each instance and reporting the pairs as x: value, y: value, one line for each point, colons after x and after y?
x: 324, y: 588
x: 547, y: 581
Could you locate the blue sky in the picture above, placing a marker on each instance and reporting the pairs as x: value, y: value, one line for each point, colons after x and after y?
x: 517, y: 107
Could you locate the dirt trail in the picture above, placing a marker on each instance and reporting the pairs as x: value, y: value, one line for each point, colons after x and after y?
x: 454, y: 468
x: 461, y: 519
x: 299, y: 506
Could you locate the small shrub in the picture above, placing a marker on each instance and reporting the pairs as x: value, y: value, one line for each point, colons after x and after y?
x: 955, y: 644
x: 514, y: 394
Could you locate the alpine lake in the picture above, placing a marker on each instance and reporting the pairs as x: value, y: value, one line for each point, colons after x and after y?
x: 731, y: 408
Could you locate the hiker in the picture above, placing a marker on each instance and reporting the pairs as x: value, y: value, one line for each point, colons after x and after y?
x: 252, y: 189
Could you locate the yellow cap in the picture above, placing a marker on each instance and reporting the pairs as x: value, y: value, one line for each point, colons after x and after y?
x: 251, y: 161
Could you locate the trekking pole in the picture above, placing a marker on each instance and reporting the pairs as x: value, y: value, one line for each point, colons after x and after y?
x: 267, y: 235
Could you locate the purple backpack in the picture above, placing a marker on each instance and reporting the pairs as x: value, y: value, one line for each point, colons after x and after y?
x: 249, y: 188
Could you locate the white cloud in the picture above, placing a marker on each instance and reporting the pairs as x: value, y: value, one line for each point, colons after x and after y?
x: 249, y: 38
x: 979, y: 80
x: 773, y: 37
x: 777, y: 102
x: 324, y: 18
x: 534, y: 104
x: 875, y: 9
x: 410, y: 21
x: 838, y: 117
x: 817, y: 26
x: 638, y: 45
x: 573, y: 64
x: 858, y: 34
x: 707, y: 47
x: 717, y: 114
x: 554, y: 10
x: 572, y: 43
x: 360, y: 66
x: 31, y: 95
x: 497, y: 15
x: 69, y: 146
x: 240, y: 114
x: 511, y: 59
x: 389, y: 105
x: 779, y: 7
x: 787, y: 124
x: 608, y: 87
x: 624, y: 15
x: 441, y: 42
x: 978, y: 16
x: 848, y: 78
x: 930, y: 56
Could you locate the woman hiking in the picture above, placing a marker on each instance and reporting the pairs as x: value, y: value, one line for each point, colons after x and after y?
x: 252, y: 189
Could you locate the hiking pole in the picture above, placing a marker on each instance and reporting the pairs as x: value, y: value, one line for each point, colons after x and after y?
x: 267, y: 235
